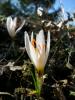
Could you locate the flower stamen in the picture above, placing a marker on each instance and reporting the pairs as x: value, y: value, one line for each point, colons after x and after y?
x: 33, y: 42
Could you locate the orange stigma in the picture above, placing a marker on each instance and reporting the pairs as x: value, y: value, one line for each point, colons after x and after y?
x: 33, y: 42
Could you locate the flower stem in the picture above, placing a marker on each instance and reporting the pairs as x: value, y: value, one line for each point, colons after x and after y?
x: 39, y: 82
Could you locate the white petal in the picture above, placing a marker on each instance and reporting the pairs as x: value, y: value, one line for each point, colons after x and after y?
x: 40, y: 39
x: 10, y: 27
x: 14, y: 22
x: 13, y: 27
x: 48, y: 46
x: 40, y: 63
x: 26, y: 39
x: 32, y: 36
x: 20, y: 26
x: 33, y: 54
x: 40, y: 45
x: 30, y: 49
x: 8, y: 23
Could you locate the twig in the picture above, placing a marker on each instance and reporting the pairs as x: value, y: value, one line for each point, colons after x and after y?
x: 6, y: 93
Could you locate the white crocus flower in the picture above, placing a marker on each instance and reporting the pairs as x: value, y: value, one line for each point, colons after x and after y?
x: 38, y: 53
x: 12, y: 25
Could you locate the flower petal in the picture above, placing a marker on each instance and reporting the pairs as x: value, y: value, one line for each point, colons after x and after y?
x: 40, y: 39
x: 48, y: 46
x: 15, y: 23
x: 30, y: 49
x: 22, y: 24
x: 33, y: 54
x: 40, y: 45
x: 10, y: 26
x: 26, y: 39
x: 32, y: 36
x: 8, y: 23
